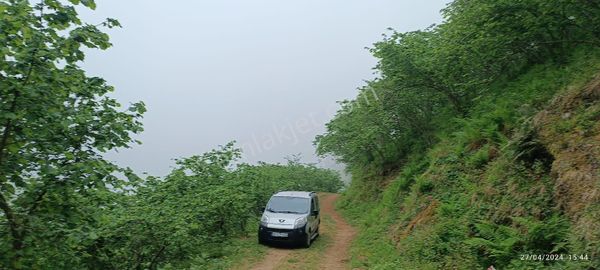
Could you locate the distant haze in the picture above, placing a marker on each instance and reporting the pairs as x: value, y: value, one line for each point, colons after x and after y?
x: 264, y: 73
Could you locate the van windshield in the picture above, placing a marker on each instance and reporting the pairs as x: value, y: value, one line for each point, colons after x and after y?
x: 293, y: 205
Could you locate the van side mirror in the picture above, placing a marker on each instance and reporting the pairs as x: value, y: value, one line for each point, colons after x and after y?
x: 315, y: 212
x: 262, y: 209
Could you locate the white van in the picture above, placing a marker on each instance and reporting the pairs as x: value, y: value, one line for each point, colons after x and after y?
x: 290, y: 216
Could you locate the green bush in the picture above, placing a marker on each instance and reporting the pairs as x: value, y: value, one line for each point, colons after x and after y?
x: 424, y: 186
x: 480, y: 157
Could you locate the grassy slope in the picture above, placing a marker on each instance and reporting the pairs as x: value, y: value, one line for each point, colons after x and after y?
x: 485, y: 193
x: 238, y: 253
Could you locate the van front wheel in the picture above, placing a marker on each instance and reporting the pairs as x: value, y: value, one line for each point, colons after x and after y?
x: 307, y: 241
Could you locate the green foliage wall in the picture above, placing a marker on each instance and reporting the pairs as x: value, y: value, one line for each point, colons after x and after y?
x: 63, y: 206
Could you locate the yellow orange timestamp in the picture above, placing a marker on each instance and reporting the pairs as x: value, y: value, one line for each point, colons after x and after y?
x: 555, y: 257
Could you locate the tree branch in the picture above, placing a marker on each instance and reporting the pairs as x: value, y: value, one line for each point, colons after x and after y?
x: 13, y: 224
x: 154, y: 260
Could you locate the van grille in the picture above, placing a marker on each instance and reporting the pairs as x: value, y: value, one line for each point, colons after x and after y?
x: 278, y: 230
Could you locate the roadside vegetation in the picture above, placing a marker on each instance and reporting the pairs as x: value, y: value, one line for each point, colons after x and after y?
x: 199, y: 215
x: 482, y: 144
x: 63, y: 206
x: 477, y: 145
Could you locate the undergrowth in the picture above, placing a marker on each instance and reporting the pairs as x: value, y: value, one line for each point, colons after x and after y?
x: 483, y: 194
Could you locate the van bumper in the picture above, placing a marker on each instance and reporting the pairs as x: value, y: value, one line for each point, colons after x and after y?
x: 293, y: 235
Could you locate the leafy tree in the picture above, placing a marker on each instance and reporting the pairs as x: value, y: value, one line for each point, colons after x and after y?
x: 428, y: 77
x: 55, y: 121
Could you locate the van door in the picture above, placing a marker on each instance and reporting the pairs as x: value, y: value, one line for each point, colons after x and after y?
x: 318, y: 217
x: 312, y: 218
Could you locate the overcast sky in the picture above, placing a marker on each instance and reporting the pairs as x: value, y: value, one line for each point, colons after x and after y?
x: 266, y: 73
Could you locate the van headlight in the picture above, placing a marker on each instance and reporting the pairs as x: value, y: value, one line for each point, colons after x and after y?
x: 299, y: 222
x: 264, y: 220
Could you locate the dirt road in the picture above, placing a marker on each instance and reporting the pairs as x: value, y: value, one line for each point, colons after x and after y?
x: 329, y: 251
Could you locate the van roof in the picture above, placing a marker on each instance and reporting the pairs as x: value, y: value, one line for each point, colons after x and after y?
x: 301, y: 194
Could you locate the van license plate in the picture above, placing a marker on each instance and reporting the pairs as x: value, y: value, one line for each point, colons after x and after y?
x: 279, y: 234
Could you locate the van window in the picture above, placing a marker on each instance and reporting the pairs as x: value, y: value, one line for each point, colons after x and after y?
x: 280, y: 204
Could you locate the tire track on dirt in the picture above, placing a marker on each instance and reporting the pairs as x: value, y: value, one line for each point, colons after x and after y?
x: 337, y: 255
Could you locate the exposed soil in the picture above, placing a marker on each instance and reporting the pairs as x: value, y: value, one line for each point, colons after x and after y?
x: 421, y: 218
x: 570, y: 129
x: 335, y: 255
x: 274, y: 258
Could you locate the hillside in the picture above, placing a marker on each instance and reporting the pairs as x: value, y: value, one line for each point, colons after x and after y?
x: 478, y: 143
x: 507, y: 184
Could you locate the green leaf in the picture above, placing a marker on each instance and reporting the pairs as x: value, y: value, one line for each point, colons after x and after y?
x: 89, y: 3
x: 10, y: 116
x: 13, y: 148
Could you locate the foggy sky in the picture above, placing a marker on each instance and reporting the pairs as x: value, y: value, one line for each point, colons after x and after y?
x: 266, y: 73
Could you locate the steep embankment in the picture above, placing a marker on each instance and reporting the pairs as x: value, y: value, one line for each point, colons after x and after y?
x: 518, y: 177
x: 570, y: 129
